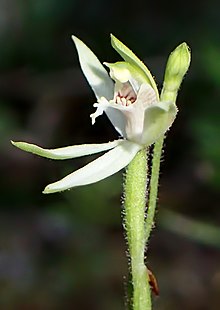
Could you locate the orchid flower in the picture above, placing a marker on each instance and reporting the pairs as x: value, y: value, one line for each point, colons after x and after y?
x: 129, y: 97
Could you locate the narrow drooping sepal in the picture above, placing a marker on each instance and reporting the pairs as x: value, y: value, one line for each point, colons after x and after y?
x: 94, y: 71
x: 67, y: 152
x: 99, y: 169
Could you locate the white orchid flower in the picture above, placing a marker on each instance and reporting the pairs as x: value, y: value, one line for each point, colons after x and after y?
x: 129, y: 97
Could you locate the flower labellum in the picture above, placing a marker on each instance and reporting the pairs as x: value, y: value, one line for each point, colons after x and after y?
x: 129, y: 97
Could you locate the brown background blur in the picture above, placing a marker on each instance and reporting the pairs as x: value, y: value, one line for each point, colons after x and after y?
x: 66, y: 251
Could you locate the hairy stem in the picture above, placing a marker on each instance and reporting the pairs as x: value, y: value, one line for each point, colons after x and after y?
x: 168, y: 94
x: 153, y: 188
x: 134, y: 215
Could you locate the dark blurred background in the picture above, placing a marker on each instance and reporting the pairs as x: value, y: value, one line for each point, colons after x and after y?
x: 66, y: 251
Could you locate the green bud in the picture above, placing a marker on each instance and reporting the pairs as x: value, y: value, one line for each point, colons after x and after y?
x: 178, y: 62
x: 177, y: 66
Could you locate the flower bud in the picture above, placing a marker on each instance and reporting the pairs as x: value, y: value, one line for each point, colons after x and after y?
x: 178, y: 62
x: 177, y: 66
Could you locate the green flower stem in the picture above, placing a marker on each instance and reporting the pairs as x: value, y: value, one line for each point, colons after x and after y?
x: 153, y: 188
x: 166, y: 95
x: 177, y: 66
x: 134, y: 215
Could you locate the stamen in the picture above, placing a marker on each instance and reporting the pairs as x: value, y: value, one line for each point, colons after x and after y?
x: 127, y: 92
x: 118, y: 100
x: 126, y: 95
x: 123, y: 101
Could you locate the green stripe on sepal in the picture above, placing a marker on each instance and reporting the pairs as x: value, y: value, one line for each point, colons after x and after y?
x: 131, y: 58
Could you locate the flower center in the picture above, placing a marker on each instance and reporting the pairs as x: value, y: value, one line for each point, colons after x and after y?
x: 126, y: 96
x: 123, y: 100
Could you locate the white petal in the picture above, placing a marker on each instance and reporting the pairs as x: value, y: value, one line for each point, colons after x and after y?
x: 158, y: 119
x: 68, y: 151
x: 99, y: 169
x: 117, y: 119
x: 94, y: 71
x: 146, y: 96
x: 113, y: 111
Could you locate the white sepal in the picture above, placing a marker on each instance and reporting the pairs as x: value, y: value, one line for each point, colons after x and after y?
x: 99, y: 169
x: 94, y: 71
x: 67, y: 152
